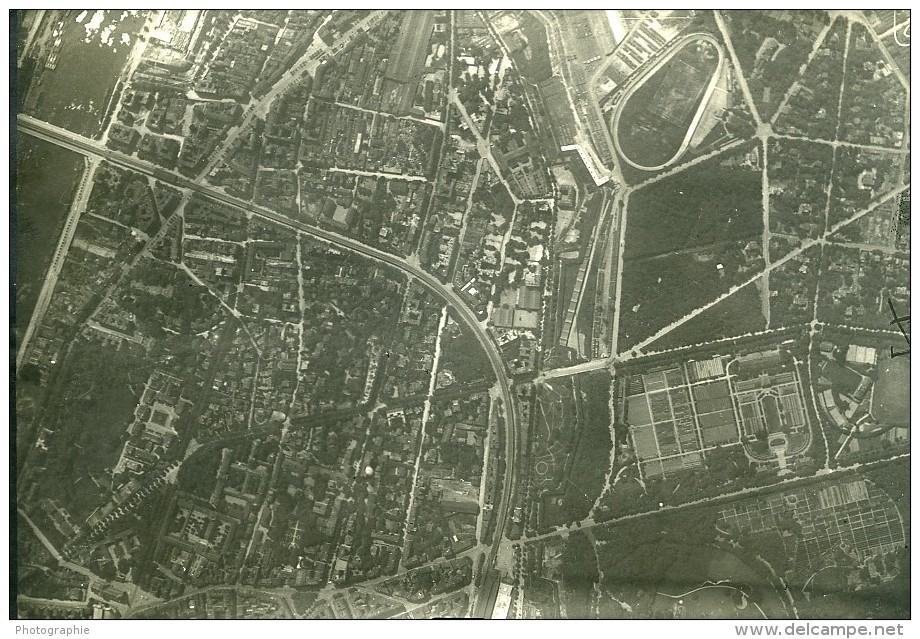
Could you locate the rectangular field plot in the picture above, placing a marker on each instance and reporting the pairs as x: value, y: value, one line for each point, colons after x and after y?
x: 712, y: 398
x: 771, y: 402
x: 834, y: 496
x: 681, y: 462
x: 718, y: 428
x: 674, y: 377
x: 711, y: 391
x: 661, y: 407
x: 750, y: 419
x: 679, y: 92
x: 687, y: 435
x: 679, y: 397
x: 638, y: 413
x: 683, y: 413
x: 644, y: 440
x: 700, y: 370
x: 672, y: 465
x: 674, y: 422
x: 667, y: 438
x: 713, y: 405
x: 652, y: 469
x: 654, y: 381
x: 792, y: 411
x: 714, y: 412
x: 634, y: 385
x: 770, y: 408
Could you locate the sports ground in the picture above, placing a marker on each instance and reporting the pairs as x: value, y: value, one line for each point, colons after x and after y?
x: 659, y: 114
x: 891, y: 400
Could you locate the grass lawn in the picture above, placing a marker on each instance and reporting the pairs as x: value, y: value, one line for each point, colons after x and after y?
x: 891, y: 401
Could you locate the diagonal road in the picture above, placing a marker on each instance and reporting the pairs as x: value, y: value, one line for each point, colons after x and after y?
x: 739, y: 76
x: 771, y: 267
x: 315, y: 55
x: 96, y: 150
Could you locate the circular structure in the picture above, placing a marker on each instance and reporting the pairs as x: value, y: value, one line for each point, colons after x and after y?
x: 661, y: 109
x: 541, y: 468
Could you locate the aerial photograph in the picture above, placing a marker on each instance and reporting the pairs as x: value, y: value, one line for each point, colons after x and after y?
x: 455, y: 313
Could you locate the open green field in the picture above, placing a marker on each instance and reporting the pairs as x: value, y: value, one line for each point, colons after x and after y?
x: 46, y: 177
x: 891, y: 401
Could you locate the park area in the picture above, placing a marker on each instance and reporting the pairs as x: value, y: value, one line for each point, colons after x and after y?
x: 665, y: 566
x: 738, y: 314
x: 657, y: 292
x: 713, y: 202
x: 571, y: 445
x: 689, y: 238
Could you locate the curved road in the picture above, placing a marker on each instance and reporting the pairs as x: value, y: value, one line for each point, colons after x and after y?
x: 92, y: 148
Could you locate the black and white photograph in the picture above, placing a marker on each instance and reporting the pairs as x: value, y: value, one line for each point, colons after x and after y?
x: 460, y: 313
